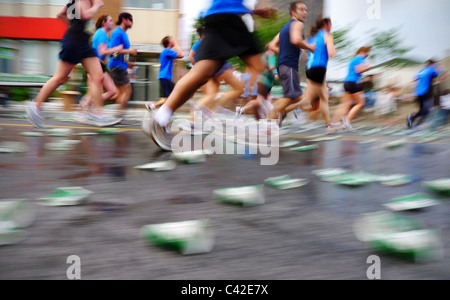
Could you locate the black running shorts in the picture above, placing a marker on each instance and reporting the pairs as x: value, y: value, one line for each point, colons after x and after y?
x: 316, y: 74
x: 226, y: 36
x: 353, y: 87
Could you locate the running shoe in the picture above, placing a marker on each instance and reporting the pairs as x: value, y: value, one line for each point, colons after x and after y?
x: 150, y: 107
x: 34, y: 115
x: 239, y: 111
x: 334, y: 127
x: 347, y: 124
x: 281, y: 117
x: 102, y: 121
x: 160, y: 136
x: 409, y: 121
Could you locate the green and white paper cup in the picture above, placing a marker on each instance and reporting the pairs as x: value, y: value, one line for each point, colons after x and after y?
x: 188, y: 237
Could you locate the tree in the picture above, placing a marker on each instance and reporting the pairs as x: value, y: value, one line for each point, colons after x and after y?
x: 387, y: 48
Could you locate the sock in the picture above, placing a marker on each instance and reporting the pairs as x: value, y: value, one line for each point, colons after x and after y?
x: 163, y: 115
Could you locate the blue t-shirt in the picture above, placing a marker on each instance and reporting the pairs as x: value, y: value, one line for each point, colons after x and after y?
x: 353, y: 75
x: 119, y: 37
x: 424, y: 79
x: 100, y: 37
x: 195, y: 49
x: 289, y: 54
x: 318, y: 58
x: 227, y: 7
x: 166, y: 60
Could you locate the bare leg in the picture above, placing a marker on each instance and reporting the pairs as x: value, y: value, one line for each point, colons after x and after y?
x: 343, y: 108
x: 61, y: 75
x: 360, y: 102
x: 93, y: 68
x: 236, y: 84
x: 189, y: 83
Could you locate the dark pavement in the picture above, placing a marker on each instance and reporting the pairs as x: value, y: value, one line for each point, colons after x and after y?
x: 303, y: 233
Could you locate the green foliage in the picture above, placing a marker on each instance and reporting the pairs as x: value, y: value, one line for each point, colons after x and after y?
x: 387, y: 47
x: 19, y: 93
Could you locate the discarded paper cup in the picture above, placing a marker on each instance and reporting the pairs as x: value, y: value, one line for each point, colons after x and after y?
x: 11, y: 234
x: 13, y: 147
x: 19, y: 211
x: 396, y: 179
x: 32, y: 133
x: 440, y: 186
x: 59, y: 146
x: 159, y: 166
x: 245, y: 196
x: 418, y: 245
x: 190, y: 157
x: 189, y: 237
x: 66, y: 196
x: 59, y: 132
x: 285, y: 182
x: 330, y: 174
x: 368, y: 226
x: 410, y: 202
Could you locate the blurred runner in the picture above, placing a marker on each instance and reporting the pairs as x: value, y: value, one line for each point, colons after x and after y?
x: 118, y: 63
x: 424, y: 92
x: 226, y: 36
x: 75, y: 49
x: 290, y: 41
x: 352, y: 101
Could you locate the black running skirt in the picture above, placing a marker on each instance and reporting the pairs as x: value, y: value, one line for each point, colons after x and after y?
x: 226, y: 36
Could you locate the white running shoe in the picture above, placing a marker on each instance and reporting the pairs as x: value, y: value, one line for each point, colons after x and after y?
x: 34, y: 115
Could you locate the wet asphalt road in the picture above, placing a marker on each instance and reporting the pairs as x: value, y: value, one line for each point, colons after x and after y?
x: 303, y: 233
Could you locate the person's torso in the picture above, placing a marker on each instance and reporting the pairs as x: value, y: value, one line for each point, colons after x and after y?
x: 353, y: 75
x: 119, y: 37
x: 166, y: 62
x: 227, y: 7
x: 424, y: 80
x: 80, y: 30
x: 318, y: 58
x: 100, y: 37
x: 289, y: 54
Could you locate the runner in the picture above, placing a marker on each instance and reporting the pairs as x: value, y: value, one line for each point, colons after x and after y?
x: 424, y: 92
x: 262, y: 105
x: 354, y: 91
x: 100, y: 42
x: 316, y: 69
x: 290, y: 42
x: 226, y: 36
x: 75, y: 49
x: 118, y: 63
x: 166, y: 60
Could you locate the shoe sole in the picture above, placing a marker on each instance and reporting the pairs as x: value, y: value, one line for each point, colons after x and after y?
x: 157, y: 140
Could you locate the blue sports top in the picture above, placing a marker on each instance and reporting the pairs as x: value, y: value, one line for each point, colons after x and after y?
x: 289, y: 54
x: 227, y: 7
x: 424, y: 79
x: 166, y: 59
x: 318, y: 58
x: 119, y: 37
x: 353, y: 75
x: 100, y: 37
